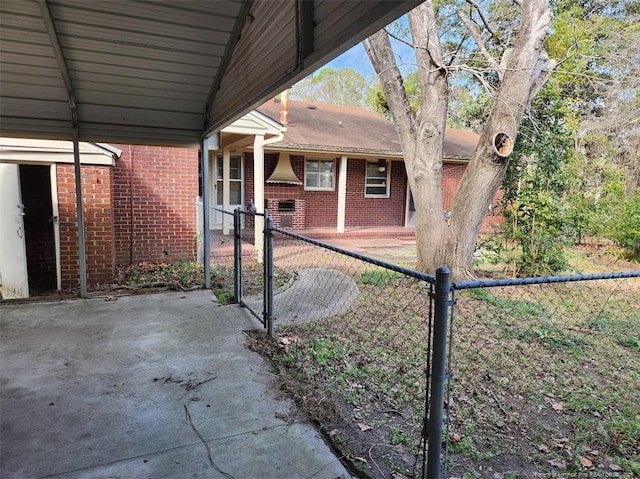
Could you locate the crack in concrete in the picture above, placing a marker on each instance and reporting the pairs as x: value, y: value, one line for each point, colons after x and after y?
x: 205, y: 443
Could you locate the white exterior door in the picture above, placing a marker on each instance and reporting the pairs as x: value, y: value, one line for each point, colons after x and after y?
x: 14, y: 280
x: 227, y: 177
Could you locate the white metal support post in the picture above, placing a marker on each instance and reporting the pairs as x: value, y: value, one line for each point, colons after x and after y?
x: 226, y: 189
x: 258, y: 188
x: 206, y: 233
x: 342, y: 193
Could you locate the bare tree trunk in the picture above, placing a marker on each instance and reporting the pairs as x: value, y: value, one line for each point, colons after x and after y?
x: 449, y: 238
x: 527, y: 69
x: 421, y: 134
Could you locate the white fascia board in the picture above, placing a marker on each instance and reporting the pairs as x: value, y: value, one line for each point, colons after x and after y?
x: 255, y: 123
x: 335, y: 153
x: 117, y: 152
x: 20, y: 150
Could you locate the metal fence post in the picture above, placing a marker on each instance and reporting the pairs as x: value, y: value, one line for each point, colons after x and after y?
x: 268, y: 274
x: 438, y: 377
x: 237, y: 257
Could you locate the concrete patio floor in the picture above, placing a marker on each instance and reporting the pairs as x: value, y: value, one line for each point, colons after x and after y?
x: 150, y: 386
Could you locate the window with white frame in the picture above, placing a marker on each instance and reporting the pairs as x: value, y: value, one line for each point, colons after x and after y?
x: 319, y: 174
x: 377, y: 179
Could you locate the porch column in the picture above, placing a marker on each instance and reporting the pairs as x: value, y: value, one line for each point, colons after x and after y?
x: 258, y: 192
x: 226, y: 170
x: 342, y: 193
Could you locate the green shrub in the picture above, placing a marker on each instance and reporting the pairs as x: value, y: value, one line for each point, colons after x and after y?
x: 625, y: 225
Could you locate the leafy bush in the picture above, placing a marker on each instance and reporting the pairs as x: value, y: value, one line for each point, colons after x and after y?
x: 624, y: 226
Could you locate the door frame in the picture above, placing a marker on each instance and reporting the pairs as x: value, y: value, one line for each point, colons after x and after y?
x: 409, y: 219
x: 14, y: 275
x: 55, y: 213
x: 223, y: 221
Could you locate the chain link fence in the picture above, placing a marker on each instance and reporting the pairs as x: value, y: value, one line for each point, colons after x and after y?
x: 358, y: 330
x: 410, y: 375
x: 545, y: 378
x: 238, y: 259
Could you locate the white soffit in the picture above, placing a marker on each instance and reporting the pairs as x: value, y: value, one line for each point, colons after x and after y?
x: 163, y: 71
x: 22, y: 150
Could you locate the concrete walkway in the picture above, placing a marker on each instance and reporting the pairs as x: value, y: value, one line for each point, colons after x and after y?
x: 317, y: 293
x: 153, y: 386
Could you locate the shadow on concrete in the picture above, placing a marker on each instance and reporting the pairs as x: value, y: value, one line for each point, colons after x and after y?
x: 154, y: 386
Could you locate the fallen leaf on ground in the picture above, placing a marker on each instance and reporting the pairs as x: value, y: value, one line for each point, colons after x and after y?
x: 559, y: 463
x: 110, y: 298
x: 455, y: 438
x: 615, y: 467
x: 364, y: 427
x: 544, y: 448
x: 585, y: 461
x: 557, y: 405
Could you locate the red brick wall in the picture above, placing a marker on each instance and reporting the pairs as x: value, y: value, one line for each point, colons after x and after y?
x: 322, y: 207
x: 155, y: 191
x: 98, y: 220
x: 362, y: 211
x: 281, y: 191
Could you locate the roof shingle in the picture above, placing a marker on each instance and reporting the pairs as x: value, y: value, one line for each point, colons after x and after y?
x: 351, y: 129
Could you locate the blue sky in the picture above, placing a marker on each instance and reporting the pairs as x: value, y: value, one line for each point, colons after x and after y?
x: 357, y: 59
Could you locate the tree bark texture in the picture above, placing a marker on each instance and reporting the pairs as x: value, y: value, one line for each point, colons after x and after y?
x: 421, y: 133
x: 448, y: 238
x: 525, y: 69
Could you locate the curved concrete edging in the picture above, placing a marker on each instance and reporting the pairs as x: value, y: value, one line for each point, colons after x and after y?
x: 317, y: 293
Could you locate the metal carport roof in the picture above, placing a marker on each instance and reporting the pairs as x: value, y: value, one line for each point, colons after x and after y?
x: 163, y: 72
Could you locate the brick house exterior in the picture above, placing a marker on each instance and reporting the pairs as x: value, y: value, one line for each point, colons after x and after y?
x: 154, y: 204
x: 357, y: 137
x: 141, y: 209
x: 141, y: 202
x: 97, y: 198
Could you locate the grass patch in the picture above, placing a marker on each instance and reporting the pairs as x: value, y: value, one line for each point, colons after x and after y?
x: 541, y: 373
x: 379, y: 277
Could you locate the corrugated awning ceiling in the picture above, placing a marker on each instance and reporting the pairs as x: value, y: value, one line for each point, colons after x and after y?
x: 163, y: 72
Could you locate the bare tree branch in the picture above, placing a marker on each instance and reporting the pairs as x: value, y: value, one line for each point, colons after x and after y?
x: 456, y: 51
x: 433, y: 71
x: 482, y: 17
x: 540, y: 77
x: 399, y: 39
x: 478, y: 75
x: 380, y: 52
x: 475, y: 34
